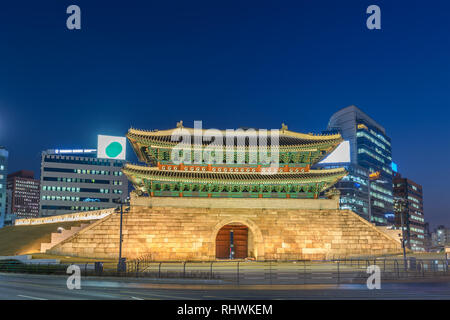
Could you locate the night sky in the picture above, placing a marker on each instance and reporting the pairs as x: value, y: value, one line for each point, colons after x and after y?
x: 149, y: 64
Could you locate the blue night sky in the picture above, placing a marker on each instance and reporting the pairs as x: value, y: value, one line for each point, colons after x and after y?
x: 149, y: 64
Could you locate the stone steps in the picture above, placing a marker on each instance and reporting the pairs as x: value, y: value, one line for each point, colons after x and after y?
x: 58, y: 237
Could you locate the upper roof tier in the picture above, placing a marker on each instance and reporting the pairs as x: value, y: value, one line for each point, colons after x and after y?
x: 288, y: 141
x: 286, y: 137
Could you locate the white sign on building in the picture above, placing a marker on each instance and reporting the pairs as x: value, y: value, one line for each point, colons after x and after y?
x: 110, y: 147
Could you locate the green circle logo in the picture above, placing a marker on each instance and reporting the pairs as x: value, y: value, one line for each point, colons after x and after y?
x: 113, y: 149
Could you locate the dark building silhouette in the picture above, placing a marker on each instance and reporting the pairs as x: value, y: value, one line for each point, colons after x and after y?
x: 23, y: 194
x: 408, y: 204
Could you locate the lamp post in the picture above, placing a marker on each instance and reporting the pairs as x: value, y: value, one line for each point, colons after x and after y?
x: 121, y: 263
x: 403, y: 240
x: 370, y: 201
x: 400, y: 207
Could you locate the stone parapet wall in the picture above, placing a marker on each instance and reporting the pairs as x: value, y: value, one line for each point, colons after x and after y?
x: 231, y: 203
x: 78, y: 216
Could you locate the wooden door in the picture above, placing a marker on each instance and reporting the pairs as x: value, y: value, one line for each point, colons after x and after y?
x: 240, y: 237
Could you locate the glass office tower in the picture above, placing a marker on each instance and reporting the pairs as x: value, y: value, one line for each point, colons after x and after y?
x: 370, y: 152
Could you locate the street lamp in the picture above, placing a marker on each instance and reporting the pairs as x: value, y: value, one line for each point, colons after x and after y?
x: 121, y: 264
x: 400, y: 207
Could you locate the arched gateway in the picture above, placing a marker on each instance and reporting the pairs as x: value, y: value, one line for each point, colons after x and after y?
x: 237, y: 238
x: 194, y: 203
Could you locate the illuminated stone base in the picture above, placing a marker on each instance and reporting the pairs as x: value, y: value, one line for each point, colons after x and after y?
x: 180, y: 229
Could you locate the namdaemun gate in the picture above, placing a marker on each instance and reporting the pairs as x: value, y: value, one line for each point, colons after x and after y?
x: 203, y: 195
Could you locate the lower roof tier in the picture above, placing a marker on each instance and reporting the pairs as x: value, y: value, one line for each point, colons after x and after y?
x: 148, y: 179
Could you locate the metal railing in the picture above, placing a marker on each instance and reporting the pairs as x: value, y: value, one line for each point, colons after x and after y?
x: 253, y: 272
x: 291, y: 272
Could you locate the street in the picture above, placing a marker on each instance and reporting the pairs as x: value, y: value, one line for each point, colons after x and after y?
x: 44, y: 287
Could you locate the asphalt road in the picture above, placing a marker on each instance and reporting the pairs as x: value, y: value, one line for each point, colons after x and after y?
x: 44, y: 287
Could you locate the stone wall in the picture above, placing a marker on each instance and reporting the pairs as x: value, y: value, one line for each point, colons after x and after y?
x: 277, y: 229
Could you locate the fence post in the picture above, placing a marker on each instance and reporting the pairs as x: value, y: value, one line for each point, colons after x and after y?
x: 238, y: 272
x: 423, y: 269
x: 137, y: 269
x: 184, y: 269
x: 270, y: 271
x: 434, y: 267
x: 304, y: 272
x: 338, y: 273
x: 159, y: 270
x: 210, y: 271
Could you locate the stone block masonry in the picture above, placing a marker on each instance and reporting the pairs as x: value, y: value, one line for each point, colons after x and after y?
x: 183, y: 229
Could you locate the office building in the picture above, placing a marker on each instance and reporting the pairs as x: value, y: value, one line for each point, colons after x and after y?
x: 408, y: 208
x: 370, y: 155
x: 77, y: 180
x: 23, y: 195
x: 3, y: 174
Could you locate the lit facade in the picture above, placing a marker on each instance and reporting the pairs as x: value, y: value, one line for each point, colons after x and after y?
x: 227, y: 176
x: 370, y: 151
x: 76, y: 180
x: 3, y: 174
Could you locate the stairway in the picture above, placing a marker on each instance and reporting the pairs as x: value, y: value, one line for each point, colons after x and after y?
x: 58, y: 237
